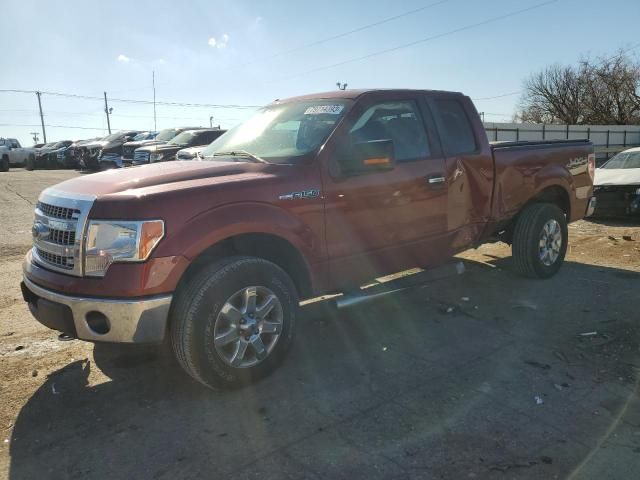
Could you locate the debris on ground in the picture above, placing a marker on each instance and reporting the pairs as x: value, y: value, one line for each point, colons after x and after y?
x: 588, y: 334
x: 525, y: 304
x: 542, y: 366
x: 538, y: 399
x: 561, y: 356
x: 628, y: 238
x: 612, y: 238
x: 34, y: 373
x: 19, y: 347
x: 503, y: 467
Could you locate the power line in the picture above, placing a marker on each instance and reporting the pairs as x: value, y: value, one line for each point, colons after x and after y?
x: 130, y: 100
x: 422, y: 40
x: 350, y: 32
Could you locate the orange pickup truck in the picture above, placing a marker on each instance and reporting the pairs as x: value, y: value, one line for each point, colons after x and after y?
x: 310, y: 195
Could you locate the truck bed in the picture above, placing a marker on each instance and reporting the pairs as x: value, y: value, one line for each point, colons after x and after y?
x: 524, y: 168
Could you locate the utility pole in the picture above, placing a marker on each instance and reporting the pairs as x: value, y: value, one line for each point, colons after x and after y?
x: 153, y: 79
x: 34, y: 135
x: 106, y: 110
x: 44, y: 133
x: 211, y: 122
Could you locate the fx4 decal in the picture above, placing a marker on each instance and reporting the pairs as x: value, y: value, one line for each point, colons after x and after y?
x: 300, y: 195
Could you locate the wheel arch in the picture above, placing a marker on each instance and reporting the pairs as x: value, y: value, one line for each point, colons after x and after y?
x: 267, y: 246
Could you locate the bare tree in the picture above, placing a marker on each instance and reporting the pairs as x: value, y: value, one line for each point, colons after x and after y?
x: 605, y: 91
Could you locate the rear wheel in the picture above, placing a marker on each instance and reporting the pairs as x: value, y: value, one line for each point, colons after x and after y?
x: 4, y: 164
x: 540, y: 240
x: 234, y: 322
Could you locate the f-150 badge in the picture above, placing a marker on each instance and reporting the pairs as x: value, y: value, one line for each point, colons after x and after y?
x: 305, y: 194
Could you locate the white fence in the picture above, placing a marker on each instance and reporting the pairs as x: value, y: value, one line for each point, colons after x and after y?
x: 607, y: 139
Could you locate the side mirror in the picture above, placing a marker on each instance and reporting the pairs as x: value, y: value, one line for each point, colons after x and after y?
x: 367, y: 157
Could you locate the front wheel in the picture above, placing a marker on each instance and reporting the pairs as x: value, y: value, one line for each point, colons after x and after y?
x: 540, y: 240
x: 234, y: 321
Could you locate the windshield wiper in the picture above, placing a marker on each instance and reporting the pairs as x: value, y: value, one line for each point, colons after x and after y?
x: 241, y: 154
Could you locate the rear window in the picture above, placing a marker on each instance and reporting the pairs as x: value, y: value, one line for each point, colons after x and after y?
x: 455, y: 128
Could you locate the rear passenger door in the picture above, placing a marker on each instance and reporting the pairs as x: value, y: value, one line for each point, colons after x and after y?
x: 383, y: 222
x: 469, y: 169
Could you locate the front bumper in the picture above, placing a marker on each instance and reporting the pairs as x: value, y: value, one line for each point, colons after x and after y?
x: 98, y: 319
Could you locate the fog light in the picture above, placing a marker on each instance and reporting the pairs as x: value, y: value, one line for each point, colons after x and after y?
x: 98, y: 322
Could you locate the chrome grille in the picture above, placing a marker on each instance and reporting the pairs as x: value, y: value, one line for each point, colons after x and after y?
x: 60, y: 219
x: 140, y: 156
x: 62, y: 237
x: 57, y: 260
x: 58, y: 212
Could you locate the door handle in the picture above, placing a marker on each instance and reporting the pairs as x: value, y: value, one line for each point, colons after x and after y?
x: 436, y: 179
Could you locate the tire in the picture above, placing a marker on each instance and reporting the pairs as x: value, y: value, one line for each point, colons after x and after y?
x: 197, y: 318
x: 4, y: 164
x: 30, y: 164
x: 530, y: 257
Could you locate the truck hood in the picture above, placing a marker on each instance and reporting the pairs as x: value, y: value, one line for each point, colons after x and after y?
x: 617, y: 176
x: 155, y: 174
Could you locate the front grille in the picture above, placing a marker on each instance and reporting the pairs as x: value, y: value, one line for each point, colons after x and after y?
x: 62, y: 237
x: 141, y: 156
x: 58, y: 212
x: 127, y: 152
x: 56, y: 260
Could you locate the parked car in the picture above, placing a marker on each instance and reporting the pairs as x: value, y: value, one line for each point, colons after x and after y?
x: 89, y: 153
x: 13, y: 154
x: 617, y: 186
x: 47, y: 156
x: 310, y: 195
x: 129, y: 148
x: 167, y: 151
x: 190, y: 153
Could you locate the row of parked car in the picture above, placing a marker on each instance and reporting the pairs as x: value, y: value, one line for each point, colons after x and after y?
x: 117, y: 150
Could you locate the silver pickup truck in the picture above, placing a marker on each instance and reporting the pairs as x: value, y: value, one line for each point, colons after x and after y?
x: 13, y: 154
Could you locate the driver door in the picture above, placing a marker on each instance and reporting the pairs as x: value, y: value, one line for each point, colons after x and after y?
x: 383, y: 222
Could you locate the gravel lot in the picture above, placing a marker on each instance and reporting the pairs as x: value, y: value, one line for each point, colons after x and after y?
x: 435, y: 382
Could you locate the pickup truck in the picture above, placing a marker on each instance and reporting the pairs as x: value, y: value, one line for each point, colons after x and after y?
x: 310, y: 195
x: 13, y: 154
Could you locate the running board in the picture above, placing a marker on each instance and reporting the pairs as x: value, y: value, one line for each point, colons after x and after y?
x: 394, y: 286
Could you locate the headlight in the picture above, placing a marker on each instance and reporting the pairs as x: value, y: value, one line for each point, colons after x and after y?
x: 112, y: 241
x: 154, y: 157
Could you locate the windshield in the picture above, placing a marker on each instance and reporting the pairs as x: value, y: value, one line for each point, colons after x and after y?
x: 624, y: 160
x: 166, y: 135
x: 113, y: 136
x: 141, y: 136
x: 281, y: 132
x: 183, y: 139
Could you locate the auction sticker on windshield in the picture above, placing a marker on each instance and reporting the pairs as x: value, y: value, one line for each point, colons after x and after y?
x: 320, y: 109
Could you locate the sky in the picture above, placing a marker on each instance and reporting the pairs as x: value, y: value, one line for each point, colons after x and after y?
x: 250, y: 52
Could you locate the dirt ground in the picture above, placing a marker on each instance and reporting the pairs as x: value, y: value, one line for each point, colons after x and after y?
x: 481, y: 375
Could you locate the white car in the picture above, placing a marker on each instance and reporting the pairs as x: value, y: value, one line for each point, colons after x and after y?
x: 616, y: 186
x: 12, y: 154
x: 191, y: 153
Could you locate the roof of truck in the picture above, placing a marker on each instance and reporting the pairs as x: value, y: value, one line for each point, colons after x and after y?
x: 355, y: 93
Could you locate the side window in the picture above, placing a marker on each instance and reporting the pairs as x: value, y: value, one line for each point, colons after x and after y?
x: 396, y: 121
x: 455, y: 128
x: 208, y: 137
